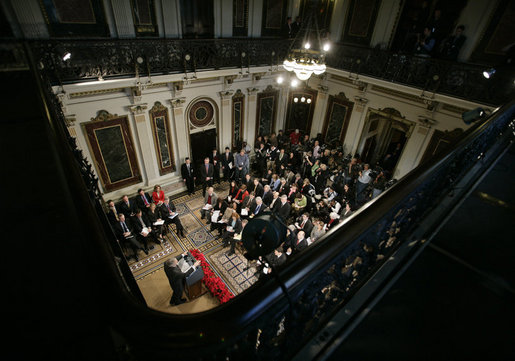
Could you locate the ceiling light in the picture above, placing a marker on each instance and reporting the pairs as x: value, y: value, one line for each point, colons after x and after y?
x: 307, y: 45
x: 280, y: 80
x: 488, y: 73
x: 327, y: 46
x: 294, y: 82
x: 67, y: 56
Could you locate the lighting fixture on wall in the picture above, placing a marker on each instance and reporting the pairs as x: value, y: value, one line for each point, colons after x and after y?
x: 302, y: 100
x: 489, y: 73
x: 307, y: 53
x: 473, y: 115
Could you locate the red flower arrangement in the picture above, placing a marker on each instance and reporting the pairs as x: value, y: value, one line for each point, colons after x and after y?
x: 213, y: 283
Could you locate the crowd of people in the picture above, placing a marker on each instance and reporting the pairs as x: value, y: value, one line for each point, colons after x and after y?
x: 310, y: 185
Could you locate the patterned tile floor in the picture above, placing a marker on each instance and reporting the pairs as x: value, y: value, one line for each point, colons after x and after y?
x: 232, y: 270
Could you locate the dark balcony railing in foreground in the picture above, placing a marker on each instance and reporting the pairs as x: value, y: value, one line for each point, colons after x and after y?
x: 264, y: 322
x: 93, y: 59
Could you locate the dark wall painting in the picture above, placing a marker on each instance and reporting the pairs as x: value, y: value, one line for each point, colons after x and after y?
x: 238, y: 111
x: 266, y: 111
x: 240, y: 19
x: 110, y: 142
x: 75, y: 18
x: 360, y: 21
x: 337, y: 118
x: 274, y: 17
x: 162, y: 138
x: 144, y: 17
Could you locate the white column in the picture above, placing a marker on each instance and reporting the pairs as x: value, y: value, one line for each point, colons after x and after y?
x: 181, y: 133
x: 171, y: 18
x: 123, y: 18
x: 317, y: 124
x: 250, y: 122
x: 255, y: 18
x: 31, y: 19
x: 410, y: 151
x: 225, y: 123
x: 226, y: 18
x: 356, y: 123
x: 144, y: 139
x: 340, y: 10
x: 385, y: 23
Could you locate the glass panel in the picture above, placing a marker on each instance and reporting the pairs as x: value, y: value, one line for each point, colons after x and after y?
x: 162, y: 141
x: 336, y: 122
x: 114, y: 153
x: 266, y: 115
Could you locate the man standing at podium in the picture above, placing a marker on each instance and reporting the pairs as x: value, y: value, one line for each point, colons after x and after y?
x: 176, y: 277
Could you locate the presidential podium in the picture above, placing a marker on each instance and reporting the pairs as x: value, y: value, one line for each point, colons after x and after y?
x: 194, y: 286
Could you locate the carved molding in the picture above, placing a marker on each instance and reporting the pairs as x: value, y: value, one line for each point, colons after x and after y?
x: 138, y: 108
x: 103, y: 115
x: 226, y: 94
x: 252, y: 91
x: 178, y: 102
x: 158, y: 107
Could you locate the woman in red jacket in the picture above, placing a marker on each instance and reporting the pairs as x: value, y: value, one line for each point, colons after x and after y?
x: 158, y: 195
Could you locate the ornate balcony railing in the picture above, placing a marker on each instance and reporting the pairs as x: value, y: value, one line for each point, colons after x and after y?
x: 274, y: 319
x: 92, y: 59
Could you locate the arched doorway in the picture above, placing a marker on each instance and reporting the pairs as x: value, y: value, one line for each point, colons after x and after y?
x: 202, y: 125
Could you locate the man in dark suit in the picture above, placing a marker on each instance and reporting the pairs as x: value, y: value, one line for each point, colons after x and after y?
x: 127, y: 207
x: 112, y: 212
x: 257, y: 188
x: 267, y: 195
x: 227, y: 158
x: 143, y: 229
x: 169, y: 214
x: 257, y: 208
x: 188, y: 175
x: 304, y: 224
x: 176, y: 278
x: 206, y: 175
x: 283, y: 188
x: 301, y: 243
x: 284, y: 208
x: 143, y: 200
x: 214, y: 159
x: 123, y: 231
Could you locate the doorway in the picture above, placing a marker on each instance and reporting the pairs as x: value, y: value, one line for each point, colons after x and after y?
x: 202, y: 145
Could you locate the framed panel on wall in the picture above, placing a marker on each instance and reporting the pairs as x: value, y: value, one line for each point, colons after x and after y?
x: 240, y: 17
x: 162, y: 138
x: 337, y: 118
x: 274, y: 17
x: 266, y: 111
x: 144, y: 17
x: 110, y: 141
x: 75, y: 17
x: 360, y: 21
x: 301, y: 105
x: 238, y: 111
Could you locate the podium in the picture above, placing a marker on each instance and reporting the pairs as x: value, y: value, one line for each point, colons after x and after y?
x: 194, y: 286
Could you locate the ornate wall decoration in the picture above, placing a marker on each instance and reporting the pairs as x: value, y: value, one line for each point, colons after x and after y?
x: 266, y: 111
x: 201, y: 114
x: 75, y: 17
x: 301, y: 105
x: 162, y: 138
x: 238, y: 116
x: 110, y: 141
x: 361, y: 19
x: 337, y: 118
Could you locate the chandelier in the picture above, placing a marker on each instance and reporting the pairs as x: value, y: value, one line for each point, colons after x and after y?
x: 304, y: 59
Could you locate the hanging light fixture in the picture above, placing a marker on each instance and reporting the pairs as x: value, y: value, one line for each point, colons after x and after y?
x: 307, y: 53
